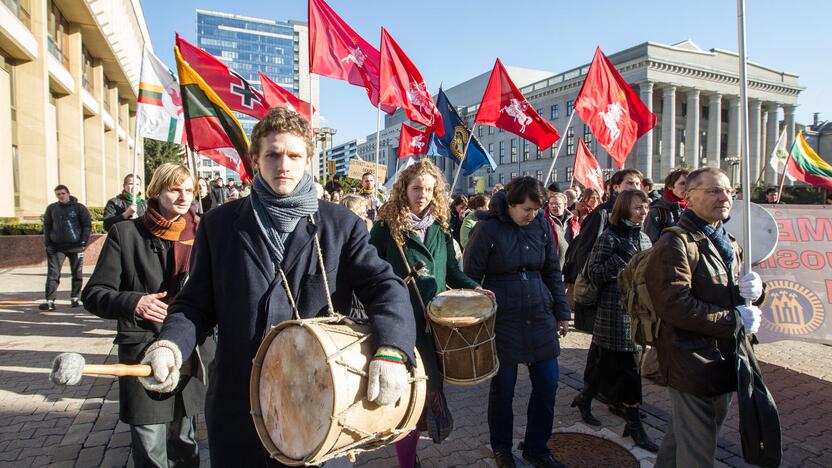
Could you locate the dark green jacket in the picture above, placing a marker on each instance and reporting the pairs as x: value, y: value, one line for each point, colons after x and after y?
x: 437, y: 255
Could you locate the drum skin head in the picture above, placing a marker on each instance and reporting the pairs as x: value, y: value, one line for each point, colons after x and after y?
x: 296, y: 393
x: 460, y: 307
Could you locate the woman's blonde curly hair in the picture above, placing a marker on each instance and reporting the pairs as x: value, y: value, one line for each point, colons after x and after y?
x: 396, y: 212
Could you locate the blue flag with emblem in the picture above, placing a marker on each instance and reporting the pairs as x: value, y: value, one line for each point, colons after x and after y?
x: 452, y: 144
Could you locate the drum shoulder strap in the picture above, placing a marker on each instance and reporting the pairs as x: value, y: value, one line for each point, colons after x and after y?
x: 410, y: 278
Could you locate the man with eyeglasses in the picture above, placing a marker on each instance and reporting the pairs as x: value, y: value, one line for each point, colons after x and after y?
x: 698, y: 305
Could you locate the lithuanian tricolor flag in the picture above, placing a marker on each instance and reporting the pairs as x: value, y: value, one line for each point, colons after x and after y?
x: 211, y: 128
x: 807, y: 166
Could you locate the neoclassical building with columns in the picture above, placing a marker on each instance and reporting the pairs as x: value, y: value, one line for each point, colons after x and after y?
x: 693, y: 92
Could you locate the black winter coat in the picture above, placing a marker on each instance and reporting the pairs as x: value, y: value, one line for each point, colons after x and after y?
x: 133, y: 263
x: 67, y: 226
x: 591, y: 228
x: 520, y: 265
x: 232, y: 285
x: 116, y: 206
x: 663, y: 213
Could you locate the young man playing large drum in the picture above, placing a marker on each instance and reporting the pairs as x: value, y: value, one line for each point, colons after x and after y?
x: 242, y: 250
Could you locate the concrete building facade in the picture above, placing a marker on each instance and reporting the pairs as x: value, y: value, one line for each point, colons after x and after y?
x: 342, y: 154
x: 279, y: 49
x: 69, y: 76
x: 693, y: 92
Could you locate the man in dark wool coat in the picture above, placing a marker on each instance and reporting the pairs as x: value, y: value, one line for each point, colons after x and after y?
x: 234, y: 284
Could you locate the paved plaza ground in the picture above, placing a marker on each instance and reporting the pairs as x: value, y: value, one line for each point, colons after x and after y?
x: 44, y: 425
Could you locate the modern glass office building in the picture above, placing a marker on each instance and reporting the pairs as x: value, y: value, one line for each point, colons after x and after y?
x: 248, y: 45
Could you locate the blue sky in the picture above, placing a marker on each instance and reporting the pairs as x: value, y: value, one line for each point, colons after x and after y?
x: 453, y: 40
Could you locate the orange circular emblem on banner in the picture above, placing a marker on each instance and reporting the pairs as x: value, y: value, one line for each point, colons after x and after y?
x: 791, y: 308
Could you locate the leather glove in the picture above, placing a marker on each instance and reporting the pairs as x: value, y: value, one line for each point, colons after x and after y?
x: 626, y: 250
x: 751, y: 286
x: 751, y: 318
x: 388, y: 376
x: 165, y: 359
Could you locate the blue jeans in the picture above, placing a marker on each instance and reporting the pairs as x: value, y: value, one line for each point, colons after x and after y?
x: 541, y: 411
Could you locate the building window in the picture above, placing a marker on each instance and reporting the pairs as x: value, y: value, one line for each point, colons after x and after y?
x: 490, y: 180
x: 500, y: 130
x: 539, y: 175
x: 555, y: 112
x: 491, y: 149
x: 502, y: 179
x: 513, y: 175
x: 525, y: 150
x: 87, y: 77
x: 540, y: 111
x: 569, y: 174
x: 554, y: 175
x: 502, y: 152
x: 479, y: 131
x: 587, y: 135
x: 537, y: 153
x: 21, y: 9
x: 490, y: 130
x: 107, y: 87
x: 57, y: 27
x: 570, y: 106
x: 514, y: 150
x: 570, y: 141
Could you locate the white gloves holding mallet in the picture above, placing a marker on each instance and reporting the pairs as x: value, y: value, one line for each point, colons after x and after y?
x: 165, y: 359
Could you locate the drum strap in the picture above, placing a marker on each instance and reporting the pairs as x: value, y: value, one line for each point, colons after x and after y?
x: 330, y: 308
x: 410, y: 279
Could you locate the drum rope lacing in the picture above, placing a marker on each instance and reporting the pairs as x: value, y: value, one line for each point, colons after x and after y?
x: 443, y: 350
x: 330, y: 312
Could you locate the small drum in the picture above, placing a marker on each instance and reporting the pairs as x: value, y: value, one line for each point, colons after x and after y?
x: 462, y: 321
x: 308, y: 393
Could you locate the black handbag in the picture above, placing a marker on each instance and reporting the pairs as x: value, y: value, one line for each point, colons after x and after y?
x: 760, y: 431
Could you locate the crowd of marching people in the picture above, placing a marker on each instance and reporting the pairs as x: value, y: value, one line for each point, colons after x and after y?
x: 547, y: 256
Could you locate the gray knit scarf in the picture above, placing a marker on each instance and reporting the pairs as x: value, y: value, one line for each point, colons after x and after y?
x: 420, y: 225
x: 278, y: 215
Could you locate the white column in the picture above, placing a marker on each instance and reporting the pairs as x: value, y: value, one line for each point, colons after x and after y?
x: 714, y: 129
x: 772, y: 132
x: 733, y: 127
x: 668, y: 153
x: 692, y: 130
x: 754, y: 115
x: 788, y: 117
x: 645, y: 145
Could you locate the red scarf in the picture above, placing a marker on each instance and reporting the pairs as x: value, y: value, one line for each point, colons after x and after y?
x: 181, y: 232
x: 672, y: 198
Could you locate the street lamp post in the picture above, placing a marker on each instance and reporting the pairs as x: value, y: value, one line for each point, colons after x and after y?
x: 323, y: 133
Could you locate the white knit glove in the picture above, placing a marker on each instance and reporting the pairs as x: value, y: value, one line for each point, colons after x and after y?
x: 751, y: 318
x: 751, y: 286
x: 388, y: 376
x: 165, y: 359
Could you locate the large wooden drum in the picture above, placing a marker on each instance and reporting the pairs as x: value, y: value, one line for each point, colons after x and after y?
x: 308, y: 393
x: 462, y: 321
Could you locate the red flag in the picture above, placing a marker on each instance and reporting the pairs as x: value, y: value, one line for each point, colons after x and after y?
x: 277, y: 96
x: 337, y: 51
x: 402, y: 85
x: 412, y: 141
x: 612, y: 109
x: 229, y: 85
x: 503, y: 106
x: 587, y: 171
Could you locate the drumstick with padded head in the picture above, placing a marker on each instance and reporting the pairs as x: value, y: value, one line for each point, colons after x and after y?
x: 67, y: 369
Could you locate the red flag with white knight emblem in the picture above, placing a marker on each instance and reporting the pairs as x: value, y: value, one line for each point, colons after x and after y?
x: 229, y: 85
x: 277, y: 96
x: 402, y: 85
x: 412, y: 141
x: 504, y: 106
x: 612, y: 109
x: 587, y: 171
x: 337, y: 51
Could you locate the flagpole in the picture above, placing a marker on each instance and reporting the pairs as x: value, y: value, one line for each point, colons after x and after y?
x: 783, y: 177
x: 560, y: 145
x: 572, y: 182
x: 136, y: 137
x: 744, y: 168
x: 378, y: 139
x: 464, y: 154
